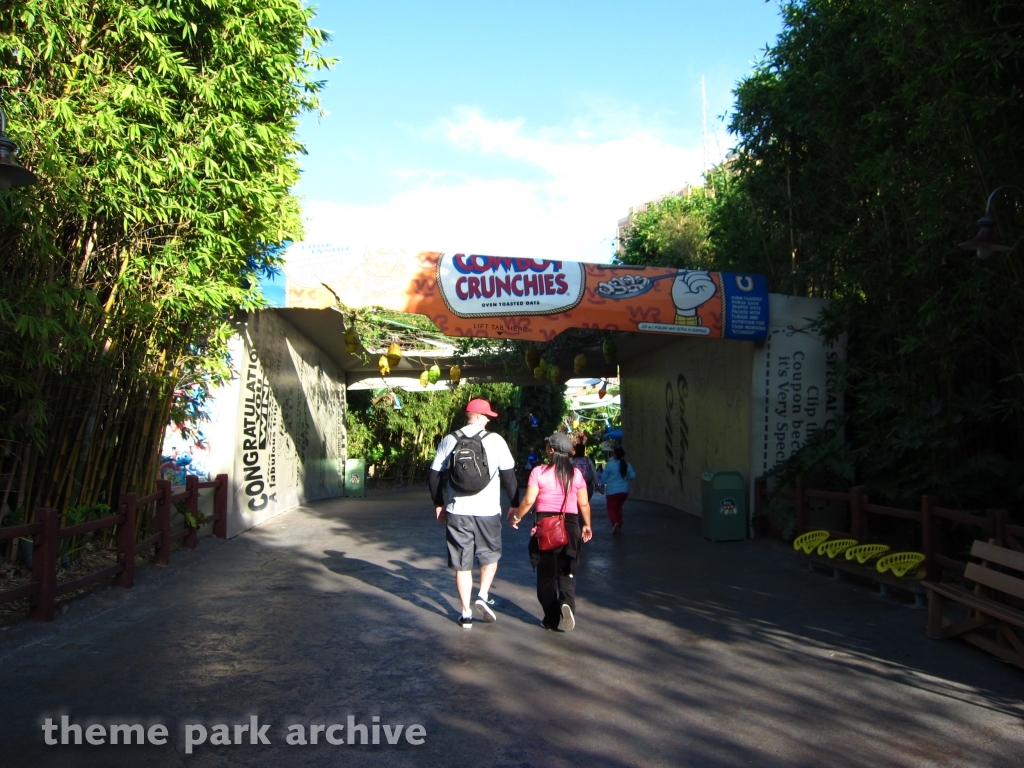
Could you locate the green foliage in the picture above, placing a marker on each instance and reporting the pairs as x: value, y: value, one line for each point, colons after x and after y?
x: 548, y: 405
x: 85, y: 513
x: 378, y: 327
x: 402, y: 442
x: 826, y: 462
x: 12, y: 517
x: 510, y: 354
x: 163, y: 136
x: 869, y: 139
x: 74, y: 547
x: 196, y: 520
x: 671, y: 233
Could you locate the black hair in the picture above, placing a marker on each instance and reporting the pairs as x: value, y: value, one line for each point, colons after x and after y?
x: 621, y: 456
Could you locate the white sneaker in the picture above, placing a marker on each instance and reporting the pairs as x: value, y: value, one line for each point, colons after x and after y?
x: 568, y: 620
x: 484, y: 609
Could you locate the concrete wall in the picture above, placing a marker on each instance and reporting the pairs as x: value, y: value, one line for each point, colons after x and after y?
x: 696, y: 405
x: 279, y: 426
x: 686, y: 409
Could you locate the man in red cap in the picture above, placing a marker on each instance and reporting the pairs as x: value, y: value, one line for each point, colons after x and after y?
x: 473, y: 466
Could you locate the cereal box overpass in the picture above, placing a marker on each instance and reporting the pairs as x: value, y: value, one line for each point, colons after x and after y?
x: 716, y: 373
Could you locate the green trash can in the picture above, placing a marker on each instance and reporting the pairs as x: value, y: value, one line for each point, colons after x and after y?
x: 355, y: 477
x: 723, y: 504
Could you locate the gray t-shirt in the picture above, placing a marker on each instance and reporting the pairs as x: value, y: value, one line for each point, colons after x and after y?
x: 488, y: 501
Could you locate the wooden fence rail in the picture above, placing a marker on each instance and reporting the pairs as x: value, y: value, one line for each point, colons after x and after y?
x: 995, y: 523
x: 43, y: 590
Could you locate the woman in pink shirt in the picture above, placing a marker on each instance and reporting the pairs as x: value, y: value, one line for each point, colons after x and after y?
x: 557, y: 487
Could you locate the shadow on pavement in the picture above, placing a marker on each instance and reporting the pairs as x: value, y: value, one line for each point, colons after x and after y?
x: 687, y: 653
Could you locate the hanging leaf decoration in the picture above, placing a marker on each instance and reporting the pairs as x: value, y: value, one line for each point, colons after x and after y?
x: 532, y: 357
x: 351, y: 341
x: 394, y: 354
x: 609, y: 349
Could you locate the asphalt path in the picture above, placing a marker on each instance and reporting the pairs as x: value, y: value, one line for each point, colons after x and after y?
x: 686, y: 653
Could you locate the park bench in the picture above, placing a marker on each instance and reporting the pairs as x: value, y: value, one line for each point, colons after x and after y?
x: 991, y: 623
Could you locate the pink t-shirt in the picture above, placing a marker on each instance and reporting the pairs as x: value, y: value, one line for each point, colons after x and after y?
x: 549, y: 496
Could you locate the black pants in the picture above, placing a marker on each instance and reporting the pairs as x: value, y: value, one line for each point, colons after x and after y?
x: 556, y: 572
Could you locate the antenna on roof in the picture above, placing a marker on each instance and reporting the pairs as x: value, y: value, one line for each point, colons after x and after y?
x: 704, y: 122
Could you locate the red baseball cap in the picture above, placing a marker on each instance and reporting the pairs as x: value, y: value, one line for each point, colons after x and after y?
x: 479, y: 405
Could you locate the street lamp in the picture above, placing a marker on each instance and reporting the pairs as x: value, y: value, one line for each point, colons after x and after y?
x: 985, y: 242
x: 11, y: 174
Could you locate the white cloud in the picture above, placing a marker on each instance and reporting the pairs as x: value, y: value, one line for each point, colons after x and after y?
x: 574, y: 186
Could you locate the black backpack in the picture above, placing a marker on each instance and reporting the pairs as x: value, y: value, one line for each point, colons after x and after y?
x: 468, y: 471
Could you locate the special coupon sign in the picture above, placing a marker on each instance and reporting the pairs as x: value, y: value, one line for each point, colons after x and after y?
x: 499, y: 296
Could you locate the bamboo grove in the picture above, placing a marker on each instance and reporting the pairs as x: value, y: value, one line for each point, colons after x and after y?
x: 163, y: 136
x: 868, y: 140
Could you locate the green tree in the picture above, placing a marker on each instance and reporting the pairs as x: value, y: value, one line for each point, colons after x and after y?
x: 671, y: 233
x: 400, y: 443
x: 869, y: 138
x: 163, y: 135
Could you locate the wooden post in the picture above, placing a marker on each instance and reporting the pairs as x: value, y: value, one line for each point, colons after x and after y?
x: 163, y: 522
x: 192, y: 504
x: 1002, y: 520
x: 802, y: 513
x: 126, y: 541
x: 220, y: 507
x: 44, y: 566
x: 858, y: 519
x: 929, y: 538
x: 997, y: 521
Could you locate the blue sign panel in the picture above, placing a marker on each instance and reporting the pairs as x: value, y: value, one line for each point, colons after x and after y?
x: 745, y: 307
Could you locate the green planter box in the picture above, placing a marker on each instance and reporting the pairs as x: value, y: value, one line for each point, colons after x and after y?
x: 723, y: 502
x: 355, y: 478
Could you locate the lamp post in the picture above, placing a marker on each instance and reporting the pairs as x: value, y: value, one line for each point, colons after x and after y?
x: 11, y: 174
x: 985, y: 242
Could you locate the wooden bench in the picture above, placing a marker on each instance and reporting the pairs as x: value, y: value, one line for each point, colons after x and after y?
x: 991, y: 622
x: 867, y: 572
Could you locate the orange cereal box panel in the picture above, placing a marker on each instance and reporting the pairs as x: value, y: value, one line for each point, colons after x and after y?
x: 499, y: 296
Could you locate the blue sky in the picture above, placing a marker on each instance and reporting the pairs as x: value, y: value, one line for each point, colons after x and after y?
x: 524, y: 129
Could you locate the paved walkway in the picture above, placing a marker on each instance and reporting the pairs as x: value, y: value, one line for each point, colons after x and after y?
x: 686, y: 653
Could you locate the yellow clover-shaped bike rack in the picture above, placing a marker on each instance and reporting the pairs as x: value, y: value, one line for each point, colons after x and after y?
x: 866, y: 552
x: 808, y: 541
x: 900, y: 562
x: 833, y: 547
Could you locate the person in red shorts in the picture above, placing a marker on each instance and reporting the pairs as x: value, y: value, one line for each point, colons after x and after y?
x: 617, y: 474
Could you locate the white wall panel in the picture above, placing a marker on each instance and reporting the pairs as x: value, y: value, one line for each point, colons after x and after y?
x: 289, y: 431
x: 793, y: 383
